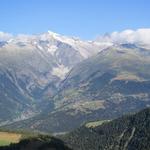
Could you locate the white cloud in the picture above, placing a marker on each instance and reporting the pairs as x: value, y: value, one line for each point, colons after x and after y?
x: 25, y: 37
x: 141, y: 36
x: 5, y: 36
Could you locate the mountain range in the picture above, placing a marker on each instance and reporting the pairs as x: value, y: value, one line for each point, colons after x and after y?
x: 31, y: 68
x: 54, y: 83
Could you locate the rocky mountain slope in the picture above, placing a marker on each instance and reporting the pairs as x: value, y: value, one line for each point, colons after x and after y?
x: 113, y: 82
x: 31, y: 68
x: 56, y: 83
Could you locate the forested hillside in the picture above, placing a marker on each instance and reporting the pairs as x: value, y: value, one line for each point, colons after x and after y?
x: 130, y: 132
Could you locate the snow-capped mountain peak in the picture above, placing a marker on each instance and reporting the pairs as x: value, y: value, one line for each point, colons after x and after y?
x: 52, y: 33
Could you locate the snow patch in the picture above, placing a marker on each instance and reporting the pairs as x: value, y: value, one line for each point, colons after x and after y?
x: 84, y: 48
x: 60, y: 71
x: 52, y: 49
x: 39, y: 47
x: 5, y: 36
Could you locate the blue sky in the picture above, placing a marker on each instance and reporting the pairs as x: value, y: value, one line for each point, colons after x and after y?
x: 82, y: 18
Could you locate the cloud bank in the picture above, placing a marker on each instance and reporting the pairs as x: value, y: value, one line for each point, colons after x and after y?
x: 140, y: 36
x: 5, y: 36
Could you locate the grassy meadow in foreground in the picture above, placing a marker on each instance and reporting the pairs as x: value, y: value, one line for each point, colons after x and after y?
x: 7, y: 138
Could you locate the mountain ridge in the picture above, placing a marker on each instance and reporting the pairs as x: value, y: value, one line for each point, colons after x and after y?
x: 105, y: 86
x: 48, y: 76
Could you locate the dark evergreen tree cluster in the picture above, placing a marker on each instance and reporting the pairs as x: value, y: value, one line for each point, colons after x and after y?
x: 130, y: 132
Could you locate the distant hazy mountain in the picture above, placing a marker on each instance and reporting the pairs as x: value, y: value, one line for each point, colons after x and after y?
x: 113, y: 82
x: 31, y: 68
x: 61, y: 82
